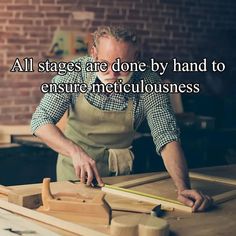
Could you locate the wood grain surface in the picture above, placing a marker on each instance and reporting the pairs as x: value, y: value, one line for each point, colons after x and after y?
x: 217, y: 221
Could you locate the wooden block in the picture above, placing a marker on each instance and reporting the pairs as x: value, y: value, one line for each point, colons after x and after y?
x: 29, y: 198
x: 223, y: 197
x: 4, y: 190
x: 15, y: 129
x: 131, y: 206
x: 143, y: 180
x: 139, y: 224
x: 71, y: 206
x: 212, y: 178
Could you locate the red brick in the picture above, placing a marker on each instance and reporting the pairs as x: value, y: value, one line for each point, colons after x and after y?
x: 28, y: 28
x: 3, y: 21
x: 66, y: 2
x: 21, y: 41
x: 21, y: 22
x: 5, y: 119
x: 23, y: 117
x: 50, y: 8
x: 3, y: 2
x: 22, y: 101
x: 6, y: 15
x: 51, y: 22
x: 57, y: 15
x: 21, y: 8
x: 32, y: 14
x: 48, y: 1
x: 14, y: 109
x: 95, y: 9
x: 4, y: 102
x: 13, y: 28
x: 21, y: 2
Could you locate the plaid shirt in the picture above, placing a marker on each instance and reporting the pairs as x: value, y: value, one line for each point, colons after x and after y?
x: 155, y: 107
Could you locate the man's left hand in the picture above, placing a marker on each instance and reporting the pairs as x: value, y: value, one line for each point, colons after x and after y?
x: 195, y: 199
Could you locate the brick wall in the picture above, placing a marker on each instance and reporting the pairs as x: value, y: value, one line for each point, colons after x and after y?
x: 186, y: 29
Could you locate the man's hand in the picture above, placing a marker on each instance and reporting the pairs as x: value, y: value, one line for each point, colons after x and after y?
x: 85, y: 168
x: 195, y: 199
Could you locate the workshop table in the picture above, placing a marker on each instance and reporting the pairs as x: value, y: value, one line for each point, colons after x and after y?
x: 219, y: 221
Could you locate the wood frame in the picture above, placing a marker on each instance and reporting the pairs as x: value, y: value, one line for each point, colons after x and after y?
x: 122, y: 189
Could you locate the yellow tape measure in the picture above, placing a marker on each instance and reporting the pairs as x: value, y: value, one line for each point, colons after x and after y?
x: 142, y: 194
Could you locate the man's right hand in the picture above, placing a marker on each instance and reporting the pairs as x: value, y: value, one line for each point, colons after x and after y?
x: 85, y: 168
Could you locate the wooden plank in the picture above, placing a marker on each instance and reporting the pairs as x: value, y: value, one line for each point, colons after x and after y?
x: 223, y: 197
x: 7, y: 130
x: 123, y: 204
x: 5, y: 138
x: 212, y: 178
x: 4, y: 190
x: 30, y: 198
x: 15, y: 129
x: 27, y: 197
x: 50, y: 220
x: 143, y: 180
x: 161, y: 176
x: 140, y: 196
x: 11, y: 224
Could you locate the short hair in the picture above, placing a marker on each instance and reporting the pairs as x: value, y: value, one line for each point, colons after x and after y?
x: 120, y: 33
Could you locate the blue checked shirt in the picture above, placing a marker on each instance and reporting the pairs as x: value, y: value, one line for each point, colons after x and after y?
x: 155, y: 107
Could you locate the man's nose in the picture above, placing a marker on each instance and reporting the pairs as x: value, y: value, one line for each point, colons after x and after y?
x: 115, y: 73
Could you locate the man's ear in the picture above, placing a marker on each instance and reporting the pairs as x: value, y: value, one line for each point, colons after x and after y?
x: 93, y: 52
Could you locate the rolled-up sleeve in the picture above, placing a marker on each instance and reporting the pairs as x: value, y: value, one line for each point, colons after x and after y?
x: 52, y: 106
x: 161, y: 118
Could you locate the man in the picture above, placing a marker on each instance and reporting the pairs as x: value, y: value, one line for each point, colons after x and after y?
x: 101, y: 126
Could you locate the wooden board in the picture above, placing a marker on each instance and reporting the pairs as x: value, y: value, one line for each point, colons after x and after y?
x: 11, y: 224
x: 218, y: 221
x: 29, y: 197
x: 164, y: 188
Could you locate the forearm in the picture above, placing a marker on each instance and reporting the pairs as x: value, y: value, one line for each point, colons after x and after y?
x: 55, y: 139
x: 176, y: 166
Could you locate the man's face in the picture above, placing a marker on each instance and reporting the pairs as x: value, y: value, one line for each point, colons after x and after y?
x: 108, y: 50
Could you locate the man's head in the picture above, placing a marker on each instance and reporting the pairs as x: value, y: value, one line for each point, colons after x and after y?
x: 111, y: 43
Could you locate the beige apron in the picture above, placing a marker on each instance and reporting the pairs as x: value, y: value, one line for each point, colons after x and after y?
x: 106, y: 136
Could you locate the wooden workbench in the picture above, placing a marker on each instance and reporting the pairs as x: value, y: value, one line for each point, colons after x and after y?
x: 218, y: 221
